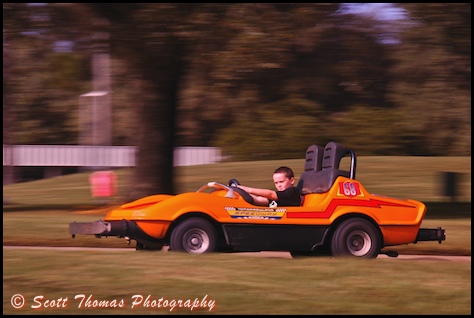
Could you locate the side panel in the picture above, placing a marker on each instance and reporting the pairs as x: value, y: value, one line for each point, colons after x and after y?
x: 136, y: 232
x: 155, y: 229
x: 256, y: 237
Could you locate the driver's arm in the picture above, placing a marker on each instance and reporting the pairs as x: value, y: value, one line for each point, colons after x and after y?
x: 260, y: 196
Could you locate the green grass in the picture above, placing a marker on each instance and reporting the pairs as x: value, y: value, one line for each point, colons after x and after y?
x: 37, y: 213
x: 238, y: 284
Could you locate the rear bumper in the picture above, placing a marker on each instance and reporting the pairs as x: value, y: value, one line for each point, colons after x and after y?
x: 121, y: 229
x: 438, y: 234
x: 100, y: 228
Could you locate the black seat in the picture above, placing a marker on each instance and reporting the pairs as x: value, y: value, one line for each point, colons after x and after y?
x: 333, y: 153
x: 313, y: 163
x: 320, y: 181
x: 313, y: 159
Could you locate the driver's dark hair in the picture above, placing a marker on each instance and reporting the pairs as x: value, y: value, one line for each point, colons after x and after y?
x: 286, y: 170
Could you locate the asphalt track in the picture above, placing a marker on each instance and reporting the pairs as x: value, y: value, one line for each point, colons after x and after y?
x: 257, y: 254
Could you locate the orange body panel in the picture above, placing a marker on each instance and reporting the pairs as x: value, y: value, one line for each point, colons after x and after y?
x: 155, y: 229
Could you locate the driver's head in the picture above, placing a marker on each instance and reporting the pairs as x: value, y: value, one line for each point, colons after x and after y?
x: 283, y: 177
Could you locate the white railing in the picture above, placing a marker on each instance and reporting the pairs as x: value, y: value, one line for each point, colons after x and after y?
x: 97, y: 156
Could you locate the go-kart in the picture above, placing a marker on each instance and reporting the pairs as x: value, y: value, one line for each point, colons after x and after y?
x: 337, y: 217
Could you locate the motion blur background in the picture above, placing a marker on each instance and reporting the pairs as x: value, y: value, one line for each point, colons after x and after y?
x: 259, y: 81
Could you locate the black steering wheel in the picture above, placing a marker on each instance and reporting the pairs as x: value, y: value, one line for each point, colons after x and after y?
x: 233, y: 183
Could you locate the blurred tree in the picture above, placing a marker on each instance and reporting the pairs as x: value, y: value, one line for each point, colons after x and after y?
x: 244, y: 60
x: 332, y: 62
x: 43, y: 83
x: 432, y: 76
x: 268, y: 132
x: 261, y: 80
x: 378, y: 131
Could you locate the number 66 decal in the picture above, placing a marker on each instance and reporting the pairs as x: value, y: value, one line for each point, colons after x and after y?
x: 349, y: 189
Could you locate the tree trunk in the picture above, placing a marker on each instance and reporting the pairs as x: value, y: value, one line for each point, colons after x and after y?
x: 8, y: 168
x: 156, y: 124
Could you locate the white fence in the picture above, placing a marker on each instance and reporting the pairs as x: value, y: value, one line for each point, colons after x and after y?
x: 98, y: 156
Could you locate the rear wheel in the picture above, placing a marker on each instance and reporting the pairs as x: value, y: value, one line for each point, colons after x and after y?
x: 194, y: 235
x: 356, y: 237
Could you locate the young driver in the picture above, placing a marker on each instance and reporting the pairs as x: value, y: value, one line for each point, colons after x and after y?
x: 286, y: 193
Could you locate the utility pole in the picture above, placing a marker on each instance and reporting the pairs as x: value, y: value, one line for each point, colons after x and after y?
x: 95, y: 119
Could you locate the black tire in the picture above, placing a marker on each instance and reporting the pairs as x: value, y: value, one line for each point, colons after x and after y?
x: 356, y: 237
x: 195, y: 236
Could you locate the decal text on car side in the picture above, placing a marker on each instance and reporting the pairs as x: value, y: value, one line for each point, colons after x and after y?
x: 256, y: 213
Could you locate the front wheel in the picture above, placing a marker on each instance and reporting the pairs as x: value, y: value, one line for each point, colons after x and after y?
x: 356, y: 237
x: 195, y: 236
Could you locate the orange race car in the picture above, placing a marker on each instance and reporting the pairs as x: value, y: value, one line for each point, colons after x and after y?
x: 337, y: 216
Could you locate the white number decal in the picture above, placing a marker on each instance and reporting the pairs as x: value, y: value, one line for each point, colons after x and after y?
x: 350, y: 189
